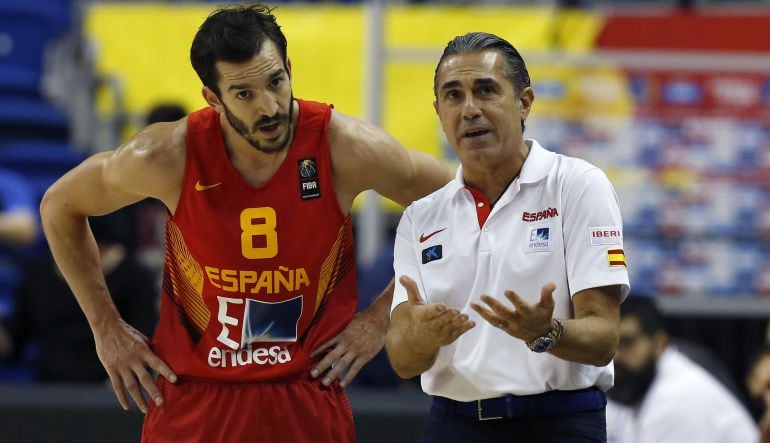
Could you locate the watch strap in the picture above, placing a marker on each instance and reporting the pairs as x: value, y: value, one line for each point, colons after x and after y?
x: 553, y: 336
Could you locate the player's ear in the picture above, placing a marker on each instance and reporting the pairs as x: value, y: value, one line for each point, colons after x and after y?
x: 212, y: 99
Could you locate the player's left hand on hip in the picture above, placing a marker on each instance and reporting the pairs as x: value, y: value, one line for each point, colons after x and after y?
x: 526, y: 321
x: 351, y: 349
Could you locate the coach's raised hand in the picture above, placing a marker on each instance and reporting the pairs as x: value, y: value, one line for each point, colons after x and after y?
x: 419, y: 329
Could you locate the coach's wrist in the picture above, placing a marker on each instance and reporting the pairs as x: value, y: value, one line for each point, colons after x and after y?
x: 548, y: 341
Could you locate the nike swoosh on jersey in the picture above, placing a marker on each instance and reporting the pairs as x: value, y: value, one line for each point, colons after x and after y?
x: 200, y: 187
x: 424, y: 237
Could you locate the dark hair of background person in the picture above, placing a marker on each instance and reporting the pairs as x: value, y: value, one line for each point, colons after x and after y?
x: 165, y: 112
x: 646, y: 311
x: 233, y: 34
x: 475, y: 42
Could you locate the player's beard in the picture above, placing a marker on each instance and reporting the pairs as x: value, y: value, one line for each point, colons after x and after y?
x: 757, y: 407
x: 631, y: 385
x: 241, y: 128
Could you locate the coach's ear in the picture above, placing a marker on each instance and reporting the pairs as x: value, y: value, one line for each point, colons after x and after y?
x: 288, y: 67
x: 212, y: 99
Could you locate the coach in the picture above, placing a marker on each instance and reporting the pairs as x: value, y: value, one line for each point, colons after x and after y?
x: 512, y: 274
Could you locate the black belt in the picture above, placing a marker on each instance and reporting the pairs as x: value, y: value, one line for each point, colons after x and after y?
x: 511, y: 406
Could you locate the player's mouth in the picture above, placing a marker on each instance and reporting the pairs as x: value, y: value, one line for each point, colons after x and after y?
x: 271, y: 130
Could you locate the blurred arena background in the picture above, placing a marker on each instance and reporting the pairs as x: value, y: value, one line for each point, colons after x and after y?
x: 671, y: 99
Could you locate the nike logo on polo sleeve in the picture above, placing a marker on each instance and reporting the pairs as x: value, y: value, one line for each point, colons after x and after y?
x: 424, y: 237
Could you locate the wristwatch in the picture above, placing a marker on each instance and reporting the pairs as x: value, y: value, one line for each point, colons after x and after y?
x: 549, y: 340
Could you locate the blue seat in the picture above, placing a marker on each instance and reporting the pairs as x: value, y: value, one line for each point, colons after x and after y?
x: 41, y: 163
x: 25, y: 30
x: 28, y: 117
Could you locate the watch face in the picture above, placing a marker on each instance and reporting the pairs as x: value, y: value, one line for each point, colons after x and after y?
x: 543, y: 344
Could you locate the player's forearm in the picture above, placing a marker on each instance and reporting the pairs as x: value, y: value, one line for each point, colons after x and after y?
x: 380, y: 307
x: 77, y: 257
x: 589, y: 340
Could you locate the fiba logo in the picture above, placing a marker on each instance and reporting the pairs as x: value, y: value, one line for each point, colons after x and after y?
x: 309, y: 187
x: 307, y: 168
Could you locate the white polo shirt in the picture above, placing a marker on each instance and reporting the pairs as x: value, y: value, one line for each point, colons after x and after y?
x: 558, y: 222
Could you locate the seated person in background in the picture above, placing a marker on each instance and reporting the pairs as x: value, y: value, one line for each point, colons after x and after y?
x: 47, y: 314
x: 165, y: 112
x: 18, y: 228
x: 661, y: 396
x: 18, y: 209
x: 758, y: 385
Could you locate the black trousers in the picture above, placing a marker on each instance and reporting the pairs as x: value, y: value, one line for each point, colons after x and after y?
x: 572, y: 427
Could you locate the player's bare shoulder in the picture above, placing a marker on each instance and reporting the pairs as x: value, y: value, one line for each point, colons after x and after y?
x: 348, y: 133
x: 358, y: 147
x: 354, y: 147
x: 151, y: 163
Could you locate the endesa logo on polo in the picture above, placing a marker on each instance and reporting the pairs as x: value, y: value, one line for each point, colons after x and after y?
x: 539, y: 215
x: 539, y: 239
x: 606, y: 235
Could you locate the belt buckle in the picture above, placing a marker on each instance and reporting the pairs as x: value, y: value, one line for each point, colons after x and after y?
x: 480, y: 410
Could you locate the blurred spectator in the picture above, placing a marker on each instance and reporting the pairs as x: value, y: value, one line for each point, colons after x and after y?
x: 767, y: 334
x: 47, y: 316
x: 758, y: 385
x: 18, y: 209
x: 18, y: 228
x: 165, y: 112
x: 662, y: 396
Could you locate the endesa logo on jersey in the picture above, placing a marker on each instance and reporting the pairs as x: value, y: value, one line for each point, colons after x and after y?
x: 261, y: 322
x: 606, y: 235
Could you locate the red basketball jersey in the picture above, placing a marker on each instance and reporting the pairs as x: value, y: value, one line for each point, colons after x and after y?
x: 255, y: 278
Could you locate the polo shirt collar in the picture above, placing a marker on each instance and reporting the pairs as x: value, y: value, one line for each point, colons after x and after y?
x: 538, y: 163
x: 536, y: 166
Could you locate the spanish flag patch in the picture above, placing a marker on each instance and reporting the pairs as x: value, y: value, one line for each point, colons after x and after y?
x: 616, y: 257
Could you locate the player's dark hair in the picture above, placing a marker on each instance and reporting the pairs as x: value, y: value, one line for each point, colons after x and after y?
x: 233, y: 34
x: 643, y: 308
x: 475, y: 42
